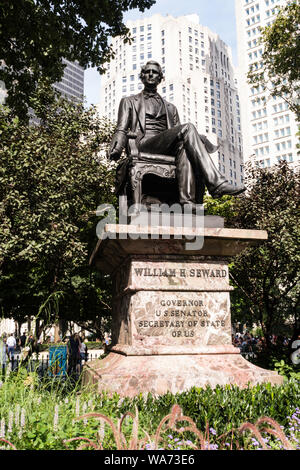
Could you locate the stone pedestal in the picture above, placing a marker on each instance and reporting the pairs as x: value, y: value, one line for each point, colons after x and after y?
x: 171, y: 311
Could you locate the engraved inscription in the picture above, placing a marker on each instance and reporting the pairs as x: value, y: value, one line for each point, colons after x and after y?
x: 178, y: 276
x: 200, y: 317
x: 181, y: 272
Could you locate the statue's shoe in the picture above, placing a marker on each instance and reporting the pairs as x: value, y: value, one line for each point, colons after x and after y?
x: 226, y: 189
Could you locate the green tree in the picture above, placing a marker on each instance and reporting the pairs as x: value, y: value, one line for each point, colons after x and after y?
x: 278, y: 70
x: 53, y: 176
x: 266, y: 277
x: 222, y: 207
x: 36, y: 34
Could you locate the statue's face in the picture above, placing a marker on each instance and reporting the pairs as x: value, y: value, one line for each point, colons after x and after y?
x: 151, y: 76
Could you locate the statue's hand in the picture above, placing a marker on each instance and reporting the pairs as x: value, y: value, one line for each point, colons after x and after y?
x: 115, y: 153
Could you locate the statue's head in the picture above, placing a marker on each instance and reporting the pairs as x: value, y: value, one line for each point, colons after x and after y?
x: 151, y: 74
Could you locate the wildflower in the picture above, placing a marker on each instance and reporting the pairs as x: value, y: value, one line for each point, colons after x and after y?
x: 212, y: 430
x: 255, y: 442
x: 101, y: 431
x: 28, y: 381
x: 17, y: 414
x: 22, y: 423
x: 77, y: 406
x: 213, y: 446
x: 84, y: 410
x: 2, y: 428
x: 10, y: 422
x: 55, y: 419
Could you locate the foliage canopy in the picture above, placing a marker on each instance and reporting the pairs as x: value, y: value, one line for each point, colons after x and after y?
x: 36, y: 34
x: 266, y: 276
x: 53, y: 176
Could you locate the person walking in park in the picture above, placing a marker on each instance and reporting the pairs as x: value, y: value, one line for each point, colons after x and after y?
x: 83, y: 352
x: 22, y: 340
x: 11, y: 346
x: 3, y: 355
x: 73, y: 353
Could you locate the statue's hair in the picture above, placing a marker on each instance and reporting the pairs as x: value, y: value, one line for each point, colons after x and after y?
x: 153, y: 62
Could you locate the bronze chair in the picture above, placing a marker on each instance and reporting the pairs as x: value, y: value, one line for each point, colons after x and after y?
x: 140, y: 166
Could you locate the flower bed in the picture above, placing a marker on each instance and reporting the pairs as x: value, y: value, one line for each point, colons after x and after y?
x: 56, y: 415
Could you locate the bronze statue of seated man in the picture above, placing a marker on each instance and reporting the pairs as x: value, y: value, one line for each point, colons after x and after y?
x: 157, y: 128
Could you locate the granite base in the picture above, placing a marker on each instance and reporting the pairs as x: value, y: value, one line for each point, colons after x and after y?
x: 171, y: 327
x: 129, y: 376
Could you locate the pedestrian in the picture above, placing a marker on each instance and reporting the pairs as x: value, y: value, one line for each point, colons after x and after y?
x: 73, y: 353
x: 11, y: 346
x: 23, y: 340
x: 83, y: 352
x: 3, y: 355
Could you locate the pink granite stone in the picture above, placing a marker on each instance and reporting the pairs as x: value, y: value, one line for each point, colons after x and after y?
x: 171, y: 326
x: 159, y: 374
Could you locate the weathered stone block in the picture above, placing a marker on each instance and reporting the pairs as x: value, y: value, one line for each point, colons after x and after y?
x: 171, y: 311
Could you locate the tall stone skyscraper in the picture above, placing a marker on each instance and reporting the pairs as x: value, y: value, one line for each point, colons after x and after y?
x: 199, y: 80
x: 72, y: 84
x: 269, y: 127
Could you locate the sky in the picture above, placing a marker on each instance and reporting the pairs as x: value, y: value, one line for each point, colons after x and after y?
x: 217, y: 15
